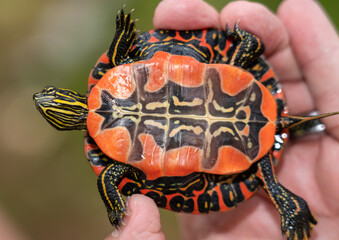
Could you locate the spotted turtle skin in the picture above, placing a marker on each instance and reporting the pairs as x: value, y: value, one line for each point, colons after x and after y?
x: 192, y: 191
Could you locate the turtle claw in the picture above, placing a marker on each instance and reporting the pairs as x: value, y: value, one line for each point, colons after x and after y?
x: 127, y: 212
x: 297, y: 220
x: 115, y: 216
x: 298, y: 226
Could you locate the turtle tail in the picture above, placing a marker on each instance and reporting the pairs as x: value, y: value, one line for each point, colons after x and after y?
x: 292, y: 121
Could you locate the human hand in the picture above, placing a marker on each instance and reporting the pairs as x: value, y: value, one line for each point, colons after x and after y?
x: 303, y: 49
x: 142, y: 222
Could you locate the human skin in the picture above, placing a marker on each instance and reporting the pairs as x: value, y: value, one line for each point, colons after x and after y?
x: 303, y: 48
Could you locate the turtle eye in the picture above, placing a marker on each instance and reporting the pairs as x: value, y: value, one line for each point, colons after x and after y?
x: 50, y: 90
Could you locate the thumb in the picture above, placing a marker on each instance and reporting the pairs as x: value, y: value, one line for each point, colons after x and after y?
x: 143, y: 222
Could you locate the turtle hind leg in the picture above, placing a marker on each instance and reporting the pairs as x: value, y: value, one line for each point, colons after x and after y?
x: 125, y: 35
x: 108, y: 187
x: 296, y: 219
x: 246, y: 47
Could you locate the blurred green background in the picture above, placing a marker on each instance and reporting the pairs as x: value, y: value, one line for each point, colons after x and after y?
x: 47, y: 189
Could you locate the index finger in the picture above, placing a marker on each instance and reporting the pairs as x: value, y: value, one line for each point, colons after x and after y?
x: 185, y: 15
x: 143, y: 221
x: 316, y: 47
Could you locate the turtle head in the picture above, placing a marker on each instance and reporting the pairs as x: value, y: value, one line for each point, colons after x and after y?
x: 64, y: 109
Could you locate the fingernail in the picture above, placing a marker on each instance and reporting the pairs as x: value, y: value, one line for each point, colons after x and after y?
x: 127, y: 212
x: 116, y: 233
x: 124, y: 221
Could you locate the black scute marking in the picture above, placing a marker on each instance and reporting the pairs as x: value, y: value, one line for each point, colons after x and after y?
x: 241, y: 115
x: 186, y: 34
x: 186, y: 137
x: 146, y: 126
x: 188, y: 95
x: 141, y: 75
x: 106, y: 111
x: 225, y: 138
x: 227, y: 133
x: 222, y: 99
x: 256, y: 114
x: 240, y: 125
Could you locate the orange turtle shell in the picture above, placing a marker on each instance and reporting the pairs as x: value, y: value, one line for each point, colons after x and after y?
x: 173, y: 115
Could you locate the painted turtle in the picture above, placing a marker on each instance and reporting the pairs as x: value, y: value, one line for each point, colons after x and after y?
x: 196, y: 120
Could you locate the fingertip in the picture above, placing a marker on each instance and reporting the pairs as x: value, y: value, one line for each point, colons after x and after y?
x: 143, y: 222
x: 315, y: 44
x: 185, y: 15
x: 259, y: 20
x: 310, y: 30
x: 143, y: 209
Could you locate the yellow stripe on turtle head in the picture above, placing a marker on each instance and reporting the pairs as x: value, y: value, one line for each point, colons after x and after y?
x: 64, y: 109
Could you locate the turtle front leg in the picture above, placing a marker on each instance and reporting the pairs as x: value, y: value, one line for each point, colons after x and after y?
x: 296, y: 219
x: 110, y: 194
x: 125, y: 35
